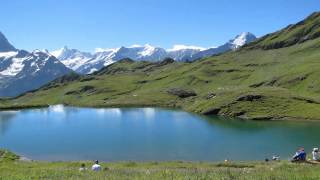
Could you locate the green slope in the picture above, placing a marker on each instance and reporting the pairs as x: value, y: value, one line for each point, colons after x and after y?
x: 305, y: 30
x: 263, y: 80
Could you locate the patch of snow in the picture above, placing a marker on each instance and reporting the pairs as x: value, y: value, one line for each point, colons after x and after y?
x: 240, y: 40
x: 92, y: 70
x: 34, y: 64
x: 15, y: 67
x: 147, y: 51
x: 37, y: 51
x: 74, y: 63
x: 8, y: 54
x: 107, y: 63
x: 98, y: 50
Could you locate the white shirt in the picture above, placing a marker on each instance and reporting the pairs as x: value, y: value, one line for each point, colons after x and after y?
x: 96, y: 167
x: 315, y: 156
x: 82, y: 169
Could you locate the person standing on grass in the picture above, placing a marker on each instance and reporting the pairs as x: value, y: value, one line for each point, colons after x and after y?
x: 96, y: 166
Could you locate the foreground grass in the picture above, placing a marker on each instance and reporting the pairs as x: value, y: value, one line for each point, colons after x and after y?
x: 12, y: 168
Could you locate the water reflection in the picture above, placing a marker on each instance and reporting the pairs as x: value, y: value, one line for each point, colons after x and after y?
x: 57, y: 108
x: 110, y: 111
x: 5, y: 118
x: 258, y: 126
x: 149, y: 113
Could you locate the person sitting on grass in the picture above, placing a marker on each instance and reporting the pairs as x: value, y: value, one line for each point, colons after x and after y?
x: 300, y: 156
x: 315, y: 154
x: 83, y: 167
x: 96, y: 167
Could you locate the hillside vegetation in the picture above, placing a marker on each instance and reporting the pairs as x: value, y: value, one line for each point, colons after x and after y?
x: 305, y: 30
x: 275, y: 77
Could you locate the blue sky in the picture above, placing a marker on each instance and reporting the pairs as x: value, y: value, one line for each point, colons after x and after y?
x: 87, y: 24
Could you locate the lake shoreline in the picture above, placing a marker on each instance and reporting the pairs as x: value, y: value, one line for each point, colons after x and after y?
x: 40, y: 106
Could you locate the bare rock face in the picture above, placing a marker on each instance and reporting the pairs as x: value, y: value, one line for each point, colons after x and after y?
x: 213, y: 111
x: 5, y: 46
x: 166, y: 61
x: 249, y: 97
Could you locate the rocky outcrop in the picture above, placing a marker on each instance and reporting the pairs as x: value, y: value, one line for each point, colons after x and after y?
x: 182, y: 93
x: 249, y: 97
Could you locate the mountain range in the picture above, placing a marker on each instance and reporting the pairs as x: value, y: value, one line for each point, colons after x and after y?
x: 86, y: 63
x: 22, y: 71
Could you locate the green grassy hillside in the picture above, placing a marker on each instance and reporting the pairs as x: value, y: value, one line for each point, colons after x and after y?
x: 305, y: 30
x: 259, y: 81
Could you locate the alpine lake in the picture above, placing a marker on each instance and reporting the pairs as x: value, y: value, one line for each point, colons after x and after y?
x: 61, y: 133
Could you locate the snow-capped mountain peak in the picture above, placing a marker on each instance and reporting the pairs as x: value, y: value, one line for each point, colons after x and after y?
x: 41, y: 52
x: 183, y: 52
x: 85, y: 63
x: 233, y: 44
x: 22, y: 71
x: 66, y: 53
x: 149, y: 50
x: 243, y: 39
x: 59, y: 52
x: 72, y: 58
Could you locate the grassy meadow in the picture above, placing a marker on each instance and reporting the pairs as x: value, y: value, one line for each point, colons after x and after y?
x: 13, y: 168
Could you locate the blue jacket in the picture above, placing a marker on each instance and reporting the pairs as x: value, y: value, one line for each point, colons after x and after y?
x: 301, y: 155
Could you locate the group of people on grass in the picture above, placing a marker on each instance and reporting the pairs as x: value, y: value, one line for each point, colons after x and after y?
x: 95, y: 167
x: 301, y: 155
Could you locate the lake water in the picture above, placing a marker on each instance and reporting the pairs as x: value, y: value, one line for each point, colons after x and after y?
x: 147, y: 134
